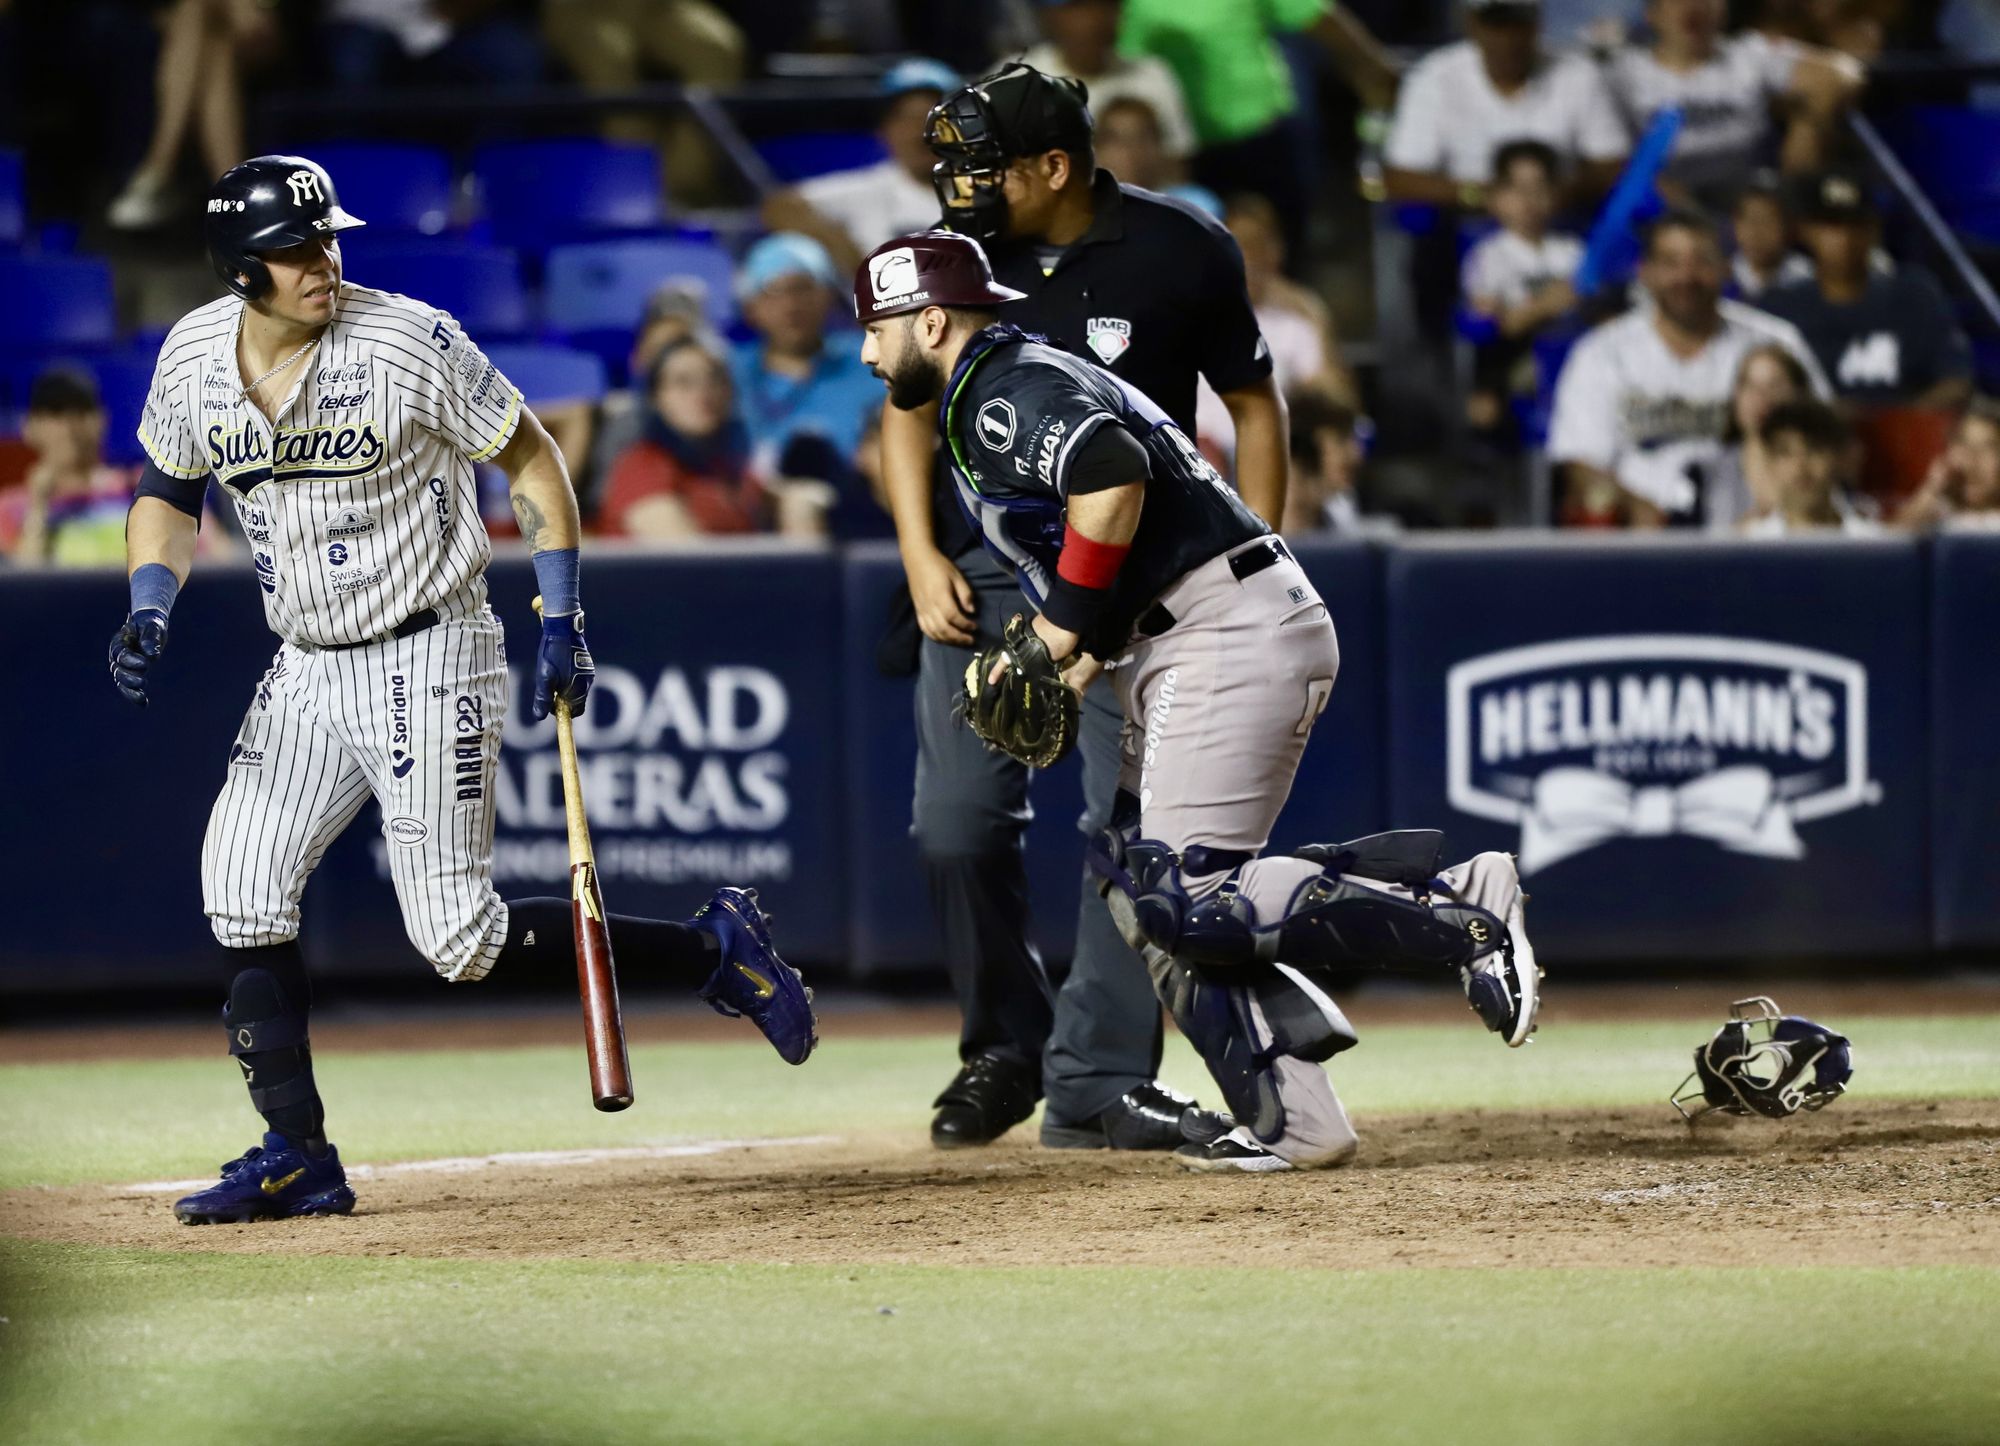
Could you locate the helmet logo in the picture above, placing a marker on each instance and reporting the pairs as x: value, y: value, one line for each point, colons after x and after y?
x: 1478, y: 930
x: 893, y: 274
x: 305, y: 188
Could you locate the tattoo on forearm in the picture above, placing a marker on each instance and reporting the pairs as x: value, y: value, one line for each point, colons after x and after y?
x: 529, y: 516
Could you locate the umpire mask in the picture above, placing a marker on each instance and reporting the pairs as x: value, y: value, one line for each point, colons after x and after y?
x: 975, y: 131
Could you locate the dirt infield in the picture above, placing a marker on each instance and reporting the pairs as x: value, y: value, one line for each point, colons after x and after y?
x: 1861, y: 1184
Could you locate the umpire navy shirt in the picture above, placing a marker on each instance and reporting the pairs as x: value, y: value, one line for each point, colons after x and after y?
x: 1018, y: 415
x: 1153, y: 291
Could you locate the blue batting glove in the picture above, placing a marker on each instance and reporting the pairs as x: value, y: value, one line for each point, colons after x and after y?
x: 563, y: 668
x: 133, y: 649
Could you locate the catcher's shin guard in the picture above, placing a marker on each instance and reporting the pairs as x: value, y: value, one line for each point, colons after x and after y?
x: 1241, y: 1026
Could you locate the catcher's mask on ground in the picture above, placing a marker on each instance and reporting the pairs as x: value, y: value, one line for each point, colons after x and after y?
x: 977, y: 132
x: 1765, y: 1063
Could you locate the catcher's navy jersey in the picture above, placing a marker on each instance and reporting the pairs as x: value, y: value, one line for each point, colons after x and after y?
x: 1017, y: 412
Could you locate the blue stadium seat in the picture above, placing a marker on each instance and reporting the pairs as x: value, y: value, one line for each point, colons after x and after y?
x: 391, y: 187
x: 597, y: 284
x: 538, y: 193
x: 551, y: 375
x: 1954, y: 154
x: 815, y: 153
x: 596, y: 292
x: 13, y: 200
x: 480, y: 285
x: 1954, y: 150
x: 55, y: 301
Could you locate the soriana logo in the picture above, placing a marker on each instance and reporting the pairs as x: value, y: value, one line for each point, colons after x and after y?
x: 1646, y: 735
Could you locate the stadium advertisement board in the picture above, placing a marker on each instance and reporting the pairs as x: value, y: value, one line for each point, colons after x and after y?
x: 1694, y: 750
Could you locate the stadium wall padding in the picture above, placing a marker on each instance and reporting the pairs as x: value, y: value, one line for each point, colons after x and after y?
x: 1700, y: 750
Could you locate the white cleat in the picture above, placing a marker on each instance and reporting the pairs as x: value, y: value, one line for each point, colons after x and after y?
x: 1234, y: 1152
x: 1504, y: 987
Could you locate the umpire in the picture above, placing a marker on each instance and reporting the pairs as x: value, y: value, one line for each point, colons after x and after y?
x: 1153, y: 289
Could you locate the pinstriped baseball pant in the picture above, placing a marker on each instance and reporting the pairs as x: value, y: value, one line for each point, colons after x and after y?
x: 413, y: 722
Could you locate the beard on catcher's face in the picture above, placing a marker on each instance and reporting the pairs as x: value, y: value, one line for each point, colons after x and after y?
x: 915, y: 379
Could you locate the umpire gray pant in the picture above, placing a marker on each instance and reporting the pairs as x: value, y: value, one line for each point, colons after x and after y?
x: 1100, y: 1036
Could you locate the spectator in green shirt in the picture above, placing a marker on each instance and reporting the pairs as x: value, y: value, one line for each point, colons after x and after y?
x: 1239, y: 89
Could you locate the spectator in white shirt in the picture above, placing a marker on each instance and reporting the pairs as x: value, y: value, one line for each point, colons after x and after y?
x: 1463, y: 102
x: 852, y: 212
x: 1731, y: 90
x: 1761, y: 225
x: 1642, y: 405
x: 1518, y: 278
x: 1298, y: 329
x: 1737, y: 484
x: 1082, y: 43
x: 1805, y: 444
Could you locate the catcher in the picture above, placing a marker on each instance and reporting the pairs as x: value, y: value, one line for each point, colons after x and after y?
x: 1142, y: 560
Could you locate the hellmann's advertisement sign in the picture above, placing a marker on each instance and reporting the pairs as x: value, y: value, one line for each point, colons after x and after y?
x: 1589, y: 742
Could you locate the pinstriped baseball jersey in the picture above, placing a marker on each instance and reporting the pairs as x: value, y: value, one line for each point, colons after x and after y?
x: 358, y: 501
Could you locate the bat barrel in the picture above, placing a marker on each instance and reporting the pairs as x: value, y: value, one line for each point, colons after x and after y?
x: 597, y: 985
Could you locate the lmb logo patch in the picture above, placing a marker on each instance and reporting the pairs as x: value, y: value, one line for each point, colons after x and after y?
x: 1646, y: 735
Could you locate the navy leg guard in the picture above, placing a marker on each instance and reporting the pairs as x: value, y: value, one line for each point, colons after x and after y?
x: 1221, y: 1014
x: 265, y: 1020
x: 1333, y: 922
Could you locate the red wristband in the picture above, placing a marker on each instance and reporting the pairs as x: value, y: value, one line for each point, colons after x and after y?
x: 1087, y: 562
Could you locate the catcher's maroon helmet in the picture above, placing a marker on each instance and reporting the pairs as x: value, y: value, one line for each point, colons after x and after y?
x: 930, y: 268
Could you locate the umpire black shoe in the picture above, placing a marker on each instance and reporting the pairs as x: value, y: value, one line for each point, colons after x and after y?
x: 1151, y: 1117
x: 989, y: 1096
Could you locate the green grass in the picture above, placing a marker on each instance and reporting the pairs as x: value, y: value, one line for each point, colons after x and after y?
x: 101, y: 1345
x: 114, y: 1346
x: 173, y: 1119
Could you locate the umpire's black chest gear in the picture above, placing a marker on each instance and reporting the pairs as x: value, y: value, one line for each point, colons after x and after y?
x: 1019, y: 414
x: 1153, y: 292
x: 266, y: 204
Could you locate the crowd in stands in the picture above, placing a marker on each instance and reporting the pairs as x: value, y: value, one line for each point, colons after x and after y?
x: 1749, y: 350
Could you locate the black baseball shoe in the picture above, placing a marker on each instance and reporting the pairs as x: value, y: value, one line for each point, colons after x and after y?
x: 1151, y: 1117
x: 989, y: 1096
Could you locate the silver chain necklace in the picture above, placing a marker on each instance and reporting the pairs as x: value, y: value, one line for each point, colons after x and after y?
x: 310, y: 343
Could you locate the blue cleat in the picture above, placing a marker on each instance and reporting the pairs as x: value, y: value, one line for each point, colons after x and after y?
x: 752, y: 979
x: 271, y: 1181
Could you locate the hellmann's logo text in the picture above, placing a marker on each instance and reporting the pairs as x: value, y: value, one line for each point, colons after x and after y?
x: 1732, y: 740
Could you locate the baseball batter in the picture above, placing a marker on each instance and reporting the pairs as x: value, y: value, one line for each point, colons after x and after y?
x: 1140, y: 559
x: 343, y: 424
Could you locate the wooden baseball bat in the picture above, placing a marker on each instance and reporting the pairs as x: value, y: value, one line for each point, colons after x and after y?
x: 596, y: 982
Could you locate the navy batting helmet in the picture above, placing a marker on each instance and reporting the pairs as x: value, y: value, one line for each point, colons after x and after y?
x: 266, y: 204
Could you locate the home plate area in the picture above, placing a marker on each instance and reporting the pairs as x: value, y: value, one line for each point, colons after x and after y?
x: 1864, y: 1183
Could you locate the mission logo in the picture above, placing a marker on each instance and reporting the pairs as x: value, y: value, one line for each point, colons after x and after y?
x: 1594, y: 740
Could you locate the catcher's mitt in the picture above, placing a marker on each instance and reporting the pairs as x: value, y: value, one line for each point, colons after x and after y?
x: 1031, y: 713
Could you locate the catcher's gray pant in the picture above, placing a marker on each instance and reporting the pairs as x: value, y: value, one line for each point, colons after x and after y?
x: 1101, y: 1036
x: 1219, y: 707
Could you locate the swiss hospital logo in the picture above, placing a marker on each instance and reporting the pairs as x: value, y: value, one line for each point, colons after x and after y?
x: 1654, y: 735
